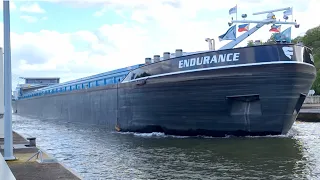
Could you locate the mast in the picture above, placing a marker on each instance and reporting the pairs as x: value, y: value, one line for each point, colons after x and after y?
x: 271, y: 19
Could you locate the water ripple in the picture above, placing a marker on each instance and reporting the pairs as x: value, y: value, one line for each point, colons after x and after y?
x: 96, y: 153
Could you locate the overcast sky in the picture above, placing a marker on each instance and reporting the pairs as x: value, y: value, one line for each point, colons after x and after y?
x: 73, y: 39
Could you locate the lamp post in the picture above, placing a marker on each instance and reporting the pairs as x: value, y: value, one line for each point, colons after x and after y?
x: 8, y: 140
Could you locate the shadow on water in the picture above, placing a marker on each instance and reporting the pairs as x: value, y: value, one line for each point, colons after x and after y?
x: 97, y: 153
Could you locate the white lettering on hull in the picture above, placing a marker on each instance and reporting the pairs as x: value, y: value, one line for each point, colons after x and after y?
x: 209, y: 60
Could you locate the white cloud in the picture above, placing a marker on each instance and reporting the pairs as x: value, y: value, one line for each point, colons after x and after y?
x: 29, y: 19
x: 32, y: 8
x: 49, y: 53
x: 99, y: 13
x: 155, y: 27
x: 12, y: 6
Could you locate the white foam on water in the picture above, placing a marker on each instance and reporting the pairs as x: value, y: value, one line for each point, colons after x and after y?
x: 163, y: 135
x: 268, y: 136
x: 153, y: 134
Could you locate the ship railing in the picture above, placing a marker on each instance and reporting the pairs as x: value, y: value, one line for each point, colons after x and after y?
x: 114, y: 73
x: 103, y: 81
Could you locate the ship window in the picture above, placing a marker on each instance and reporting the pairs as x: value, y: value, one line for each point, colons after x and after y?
x: 78, y: 86
x: 92, y: 84
x: 53, y: 81
x: 132, y: 76
x: 109, y: 81
x: 118, y: 79
x: 100, y: 82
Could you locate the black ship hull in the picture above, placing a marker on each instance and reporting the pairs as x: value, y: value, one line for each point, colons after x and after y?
x: 242, y: 100
x: 252, y: 98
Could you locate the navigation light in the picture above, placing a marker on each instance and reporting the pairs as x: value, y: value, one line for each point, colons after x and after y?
x: 244, y: 16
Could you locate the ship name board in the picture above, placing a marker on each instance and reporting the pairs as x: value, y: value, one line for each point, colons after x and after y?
x: 197, y: 61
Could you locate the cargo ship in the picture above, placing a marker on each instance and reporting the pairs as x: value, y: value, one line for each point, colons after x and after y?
x: 252, y: 90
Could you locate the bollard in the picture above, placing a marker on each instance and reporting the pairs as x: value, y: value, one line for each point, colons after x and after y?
x: 32, y: 141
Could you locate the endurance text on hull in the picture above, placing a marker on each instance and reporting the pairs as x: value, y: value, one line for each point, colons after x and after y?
x: 259, y: 94
x: 255, y: 90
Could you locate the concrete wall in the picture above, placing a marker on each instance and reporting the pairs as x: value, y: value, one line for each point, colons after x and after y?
x: 312, y: 100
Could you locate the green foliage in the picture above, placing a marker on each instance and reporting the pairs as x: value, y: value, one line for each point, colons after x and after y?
x: 312, y: 37
x: 316, y: 84
x: 271, y: 40
x: 312, y: 40
x: 297, y: 40
x: 250, y: 43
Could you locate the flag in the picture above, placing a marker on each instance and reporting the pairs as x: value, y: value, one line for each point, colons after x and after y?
x: 287, y: 12
x: 284, y: 35
x: 275, y: 28
x: 229, y: 35
x: 243, y: 27
x: 233, y: 10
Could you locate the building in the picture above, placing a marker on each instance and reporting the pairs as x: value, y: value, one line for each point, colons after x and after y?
x: 32, y: 83
x: 42, y: 81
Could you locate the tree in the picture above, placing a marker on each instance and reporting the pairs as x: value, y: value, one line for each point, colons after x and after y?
x: 312, y: 40
x: 316, y: 84
x: 271, y: 40
x: 312, y: 37
x: 297, y: 40
x: 250, y: 43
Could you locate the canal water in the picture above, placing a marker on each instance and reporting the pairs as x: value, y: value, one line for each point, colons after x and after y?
x: 95, y: 153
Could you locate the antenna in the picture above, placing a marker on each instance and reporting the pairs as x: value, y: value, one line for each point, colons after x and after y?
x: 271, y: 11
x: 271, y: 19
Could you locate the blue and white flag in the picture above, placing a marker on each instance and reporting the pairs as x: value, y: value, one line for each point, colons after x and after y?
x: 233, y: 10
x: 229, y: 35
x: 287, y: 12
x: 284, y: 35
